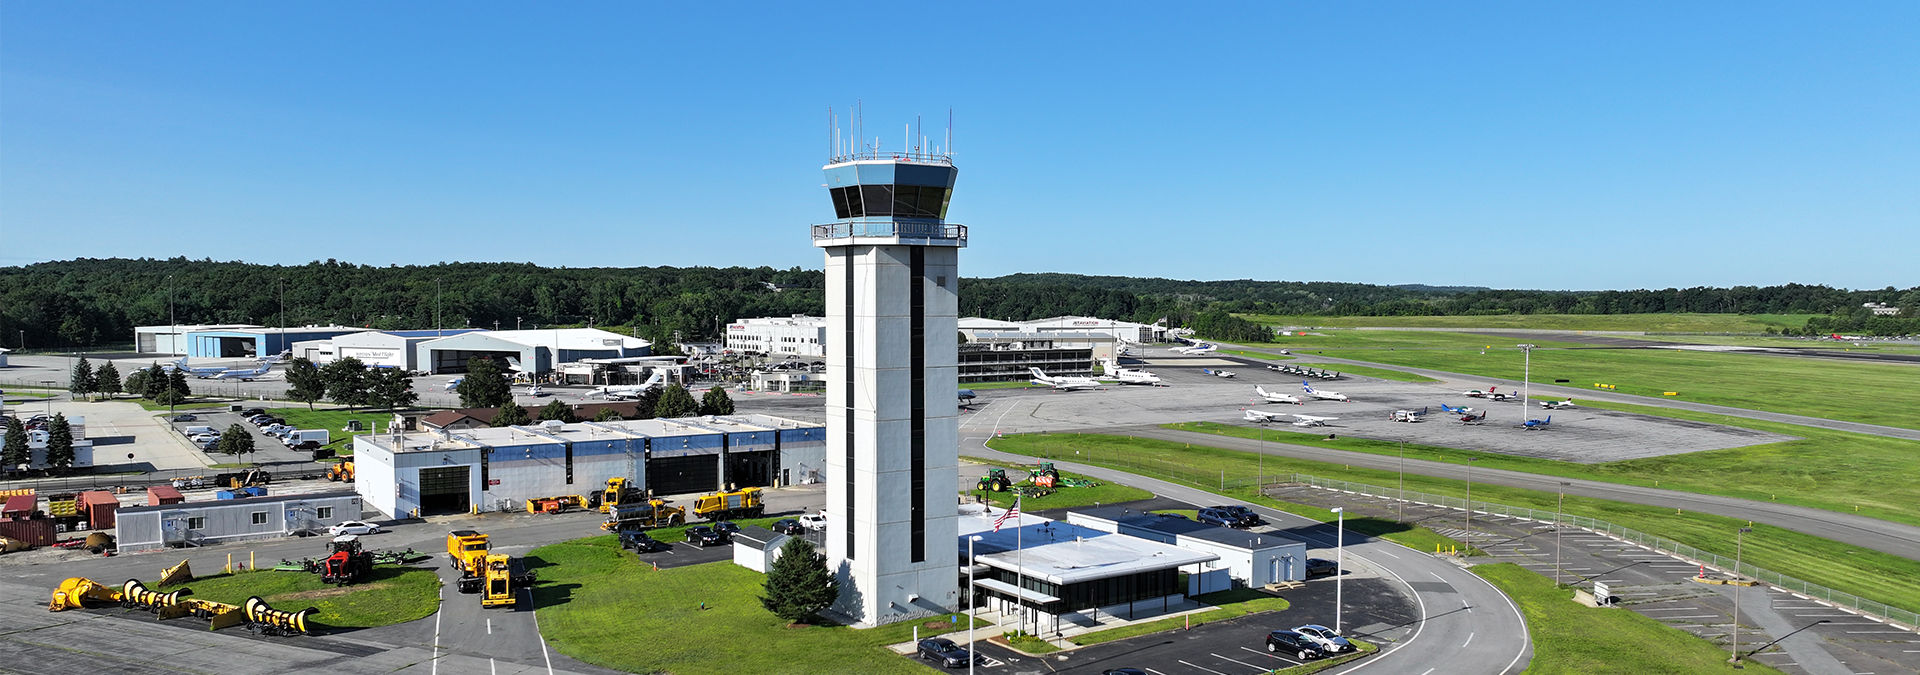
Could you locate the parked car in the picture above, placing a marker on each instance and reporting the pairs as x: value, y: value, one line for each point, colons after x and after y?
x: 253, y: 411
x: 788, y: 526
x: 1124, y: 671
x: 703, y: 536
x: 1319, y: 567
x: 639, y: 542
x: 1330, y: 642
x: 726, y: 527
x: 260, y: 420
x: 814, y: 521
x: 305, y: 446
x: 1289, y: 642
x: 944, y: 652
x: 204, y: 437
x: 1230, y: 516
x: 185, y: 417
x: 353, y: 527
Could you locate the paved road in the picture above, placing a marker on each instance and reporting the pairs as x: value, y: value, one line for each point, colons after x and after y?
x: 1466, y: 626
x: 1880, y: 535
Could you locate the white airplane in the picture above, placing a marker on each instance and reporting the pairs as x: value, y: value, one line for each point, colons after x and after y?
x: 1312, y: 421
x: 513, y: 364
x: 278, y: 358
x: 202, y: 372
x: 633, y: 391
x: 535, y: 391
x: 245, y: 374
x: 1063, y: 383
x: 1557, y: 405
x: 1275, y: 397
x: 1128, y: 375
x: 1217, y: 373
x: 1322, y: 395
x: 1475, y: 393
x: 1263, y: 417
x: 454, y: 383
x: 1198, y: 348
x: 1501, y: 395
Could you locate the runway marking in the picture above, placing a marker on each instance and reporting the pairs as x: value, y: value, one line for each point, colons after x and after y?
x: 1210, y: 670
x: 489, y: 625
x: 1429, y: 671
x: 1469, y: 641
x: 491, y: 668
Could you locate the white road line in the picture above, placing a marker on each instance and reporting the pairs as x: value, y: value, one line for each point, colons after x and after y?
x: 1155, y: 672
x: 1275, y: 656
x: 492, y: 669
x: 489, y: 625
x: 1689, y: 616
x: 435, y: 657
x: 543, y: 645
x: 1429, y: 671
x: 1249, y: 665
x: 1469, y: 641
x: 1210, y: 670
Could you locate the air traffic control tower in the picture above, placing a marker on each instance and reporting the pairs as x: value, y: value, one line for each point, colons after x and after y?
x: 892, y: 420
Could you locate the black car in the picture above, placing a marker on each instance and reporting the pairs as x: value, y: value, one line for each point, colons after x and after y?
x: 944, y: 652
x: 1124, y: 671
x: 727, y: 528
x: 639, y: 542
x: 259, y: 420
x: 253, y: 411
x: 1289, y: 642
x: 1229, y: 516
x: 703, y: 536
x: 1319, y: 567
x: 788, y: 526
x: 184, y: 417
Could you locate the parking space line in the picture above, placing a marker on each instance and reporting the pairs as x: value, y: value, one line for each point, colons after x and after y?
x: 1270, y: 655
x: 1249, y: 665
x: 1210, y: 670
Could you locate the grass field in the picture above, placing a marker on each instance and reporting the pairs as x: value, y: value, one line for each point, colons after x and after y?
x: 1257, y: 355
x: 1229, y: 604
x: 1571, y: 639
x: 1382, y: 373
x: 394, y: 594
x: 601, y: 605
x: 1062, y: 498
x: 1870, y: 574
x: 334, y: 420
x: 1704, y: 323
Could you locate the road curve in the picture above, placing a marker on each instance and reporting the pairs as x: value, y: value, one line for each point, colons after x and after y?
x: 1880, y: 535
x: 1467, y: 626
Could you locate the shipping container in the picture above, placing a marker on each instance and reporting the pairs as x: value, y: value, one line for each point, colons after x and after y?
x: 20, y: 506
x: 160, y: 495
x: 227, y: 494
x: 255, y: 491
x: 38, y: 532
x: 98, y: 507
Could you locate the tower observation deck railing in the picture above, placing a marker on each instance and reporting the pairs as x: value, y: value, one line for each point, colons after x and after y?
x: 907, y: 157
x: 906, y: 229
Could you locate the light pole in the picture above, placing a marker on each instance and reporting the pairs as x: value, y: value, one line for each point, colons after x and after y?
x: 971, y: 609
x: 1469, y: 533
x: 1526, y: 378
x: 1339, y: 561
x: 1739, y: 540
x: 1400, y: 507
x: 50, y: 397
x: 173, y: 325
x: 1751, y: 652
x: 1556, y: 531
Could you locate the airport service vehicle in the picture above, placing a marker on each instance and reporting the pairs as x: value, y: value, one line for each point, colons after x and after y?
x: 300, y: 435
x: 1312, y: 421
x: 1289, y: 642
x: 744, y: 503
x: 353, y: 527
x: 703, y: 536
x: 468, y: 551
x: 1330, y: 642
x: 1229, y: 516
x: 944, y: 652
x: 814, y: 521
x: 1319, y: 567
x: 1409, y: 415
x: 788, y: 526
x: 1537, y: 425
x: 619, y: 491
x: 1062, y: 383
x: 342, y: 471
x: 1275, y: 397
x: 995, y: 481
x: 642, y: 515
x: 639, y: 542
x: 346, y: 562
x: 1322, y: 395
x: 504, y: 577
x: 1557, y: 405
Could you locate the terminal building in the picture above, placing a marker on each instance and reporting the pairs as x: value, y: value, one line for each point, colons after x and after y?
x: 993, y: 356
x: 1122, y: 331
x: 498, y: 469
x: 1253, y: 559
x: 1046, y: 572
x: 797, y: 335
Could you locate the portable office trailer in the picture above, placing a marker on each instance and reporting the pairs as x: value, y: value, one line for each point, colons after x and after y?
x: 143, y: 528
x: 20, y: 506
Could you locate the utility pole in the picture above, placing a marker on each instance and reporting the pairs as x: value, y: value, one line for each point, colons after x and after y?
x: 1526, y: 379
x: 1740, y: 539
x: 1556, y: 531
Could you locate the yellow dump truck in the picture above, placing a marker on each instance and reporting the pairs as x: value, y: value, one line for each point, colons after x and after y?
x: 468, y: 551
x: 644, y: 515
x: 729, y: 505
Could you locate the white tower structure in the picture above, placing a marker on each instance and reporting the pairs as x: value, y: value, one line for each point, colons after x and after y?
x: 892, y: 419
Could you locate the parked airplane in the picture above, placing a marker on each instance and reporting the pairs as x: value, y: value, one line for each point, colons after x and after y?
x: 454, y: 383
x: 1409, y: 415
x: 1197, y: 348
x: 1473, y: 418
x: 1537, y: 425
x: 1063, y: 383
x: 1263, y: 417
x: 1312, y: 421
x: 630, y: 391
x: 1274, y: 397
x: 1322, y: 395
x: 535, y: 391
x: 278, y: 358
x: 245, y: 374
x: 1462, y: 410
x: 1128, y: 375
x: 1217, y: 373
x: 1558, y: 405
x: 202, y: 372
x: 1501, y: 395
x: 967, y: 396
x: 1475, y: 393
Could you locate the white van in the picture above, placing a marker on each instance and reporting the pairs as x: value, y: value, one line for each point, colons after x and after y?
x: 194, y: 431
x: 299, y: 436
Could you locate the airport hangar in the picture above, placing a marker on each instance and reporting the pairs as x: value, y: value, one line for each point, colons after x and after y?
x: 228, y: 341
x: 498, y: 469
x: 376, y: 348
x: 538, y: 351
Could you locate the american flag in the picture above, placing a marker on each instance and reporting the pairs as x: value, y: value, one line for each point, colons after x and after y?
x: 1009, y: 513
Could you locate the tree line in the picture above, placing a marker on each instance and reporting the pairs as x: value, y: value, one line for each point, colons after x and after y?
x: 85, y: 303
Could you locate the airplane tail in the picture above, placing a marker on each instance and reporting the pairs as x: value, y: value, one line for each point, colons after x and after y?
x: 1308, y: 386
x: 1039, y: 376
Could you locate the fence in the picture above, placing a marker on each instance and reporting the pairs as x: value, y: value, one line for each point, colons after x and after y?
x: 141, y: 480
x: 1904, y: 618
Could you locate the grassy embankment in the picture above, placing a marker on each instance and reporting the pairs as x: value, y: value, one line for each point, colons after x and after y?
x: 603, y: 606
x: 1062, y: 498
x: 1571, y: 638
x: 1703, y: 323
x: 394, y: 594
x: 1870, y: 574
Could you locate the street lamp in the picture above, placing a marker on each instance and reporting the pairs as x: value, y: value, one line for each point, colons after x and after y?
x: 1339, y: 561
x: 1526, y: 377
x: 1556, y: 531
x: 1469, y: 531
x: 1739, y: 540
x: 972, y: 610
x: 50, y: 397
x: 1401, y: 505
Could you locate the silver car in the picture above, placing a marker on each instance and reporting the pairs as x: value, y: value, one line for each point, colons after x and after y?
x: 1328, y: 640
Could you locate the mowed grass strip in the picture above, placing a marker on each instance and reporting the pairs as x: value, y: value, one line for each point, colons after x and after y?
x: 392, y: 594
x: 1063, y: 497
x: 1573, y: 639
x: 1704, y: 323
x: 603, y: 606
x: 1380, y: 373
x: 1869, y: 574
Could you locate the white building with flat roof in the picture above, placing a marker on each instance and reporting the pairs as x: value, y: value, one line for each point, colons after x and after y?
x: 1044, y: 570
x: 1124, y: 331
x: 797, y: 335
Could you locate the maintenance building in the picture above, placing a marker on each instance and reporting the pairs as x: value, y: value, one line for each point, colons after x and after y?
x: 375, y: 348
x: 145, y: 528
x: 228, y: 341
x: 1046, y: 571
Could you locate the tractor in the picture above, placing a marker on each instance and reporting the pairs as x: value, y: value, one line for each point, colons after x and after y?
x: 1046, y: 476
x: 346, y: 561
x: 995, y: 480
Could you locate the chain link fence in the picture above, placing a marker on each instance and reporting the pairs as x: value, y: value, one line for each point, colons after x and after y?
x: 1901, y: 617
x: 280, y: 472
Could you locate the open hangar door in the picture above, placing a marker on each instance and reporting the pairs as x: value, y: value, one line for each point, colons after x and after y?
x: 446, y: 361
x: 681, y: 475
x: 444, y: 490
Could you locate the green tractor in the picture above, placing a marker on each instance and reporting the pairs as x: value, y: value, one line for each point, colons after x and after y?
x: 1045, y: 475
x: 995, y: 481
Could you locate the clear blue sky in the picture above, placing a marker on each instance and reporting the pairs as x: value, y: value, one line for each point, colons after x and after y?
x: 1519, y: 145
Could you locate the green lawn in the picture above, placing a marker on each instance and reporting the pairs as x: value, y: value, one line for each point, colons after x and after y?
x: 1062, y: 498
x: 394, y: 594
x: 1576, y: 640
x: 1228, y: 604
x: 603, y: 606
x: 334, y: 420
x: 1382, y: 373
x: 1704, y: 323
x: 1870, y: 574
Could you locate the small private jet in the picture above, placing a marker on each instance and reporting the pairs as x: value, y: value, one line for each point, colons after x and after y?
x: 245, y: 374
x: 1063, y: 383
x: 1322, y: 395
x: 1537, y: 425
x: 1196, y: 348
x: 1312, y: 421
x: 535, y: 391
x: 1557, y: 405
x: 1128, y: 375
x: 1217, y: 373
x: 455, y: 383
x: 617, y: 392
x: 204, y: 372
x: 1275, y: 397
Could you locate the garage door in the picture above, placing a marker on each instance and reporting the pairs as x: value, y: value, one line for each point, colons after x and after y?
x: 681, y: 475
x: 443, y: 490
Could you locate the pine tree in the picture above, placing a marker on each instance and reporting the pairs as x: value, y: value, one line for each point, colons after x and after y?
x: 555, y: 410
x: 510, y: 415
x: 108, y: 378
x: 675, y: 402
x: 390, y: 388
x: 15, y: 454
x: 304, y: 382
x: 716, y: 402
x: 154, y: 385
x: 82, y: 383
x: 483, y: 386
x: 644, y: 405
x: 172, y: 389
x: 606, y: 415
x: 59, y: 442
x: 799, y: 583
x: 136, y: 383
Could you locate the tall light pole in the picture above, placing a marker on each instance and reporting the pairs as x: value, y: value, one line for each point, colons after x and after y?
x: 971, y: 609
x: 436, y: 307
x: 1526, y: 378
x: 1469, y: 533
x: 1556, y: 531
x: 1339, y: 561
x: 173, y: 325
x: 1400, y: 507
x: 1739, y: 540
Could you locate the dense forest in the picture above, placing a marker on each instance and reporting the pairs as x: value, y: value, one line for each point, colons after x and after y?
x: 88, y: 303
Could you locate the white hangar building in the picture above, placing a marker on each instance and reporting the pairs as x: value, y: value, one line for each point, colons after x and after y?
x: 537, y: 351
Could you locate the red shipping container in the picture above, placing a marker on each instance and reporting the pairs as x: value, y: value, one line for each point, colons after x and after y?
x: 20, y: 506
x: 98, y: 507
x: 163, y: 494
x: 36, y: 532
